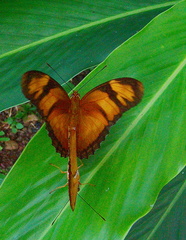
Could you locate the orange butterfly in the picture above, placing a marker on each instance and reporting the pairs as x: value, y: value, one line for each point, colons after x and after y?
x: 78, y: 126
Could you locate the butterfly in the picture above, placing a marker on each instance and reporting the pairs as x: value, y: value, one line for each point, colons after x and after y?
x: 78, y: 126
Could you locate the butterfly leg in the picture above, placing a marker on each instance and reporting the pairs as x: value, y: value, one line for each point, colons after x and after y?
x: 81, y: 164
x: 61, y: 171
x: 87, y: 184
x: 59, y: 188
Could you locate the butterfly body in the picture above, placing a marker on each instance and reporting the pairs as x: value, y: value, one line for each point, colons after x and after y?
x: 73, y: 173
x: 78, y: 126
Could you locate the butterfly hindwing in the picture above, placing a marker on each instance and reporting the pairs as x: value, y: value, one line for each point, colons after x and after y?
x: 52, y: 103
x: 101, y: 107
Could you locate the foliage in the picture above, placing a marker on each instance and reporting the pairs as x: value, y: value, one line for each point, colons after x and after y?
x: 3, y: 139
x: 14, y: 124
x: 2, y: 133
x: 144, y: 150
x: 14, y: 120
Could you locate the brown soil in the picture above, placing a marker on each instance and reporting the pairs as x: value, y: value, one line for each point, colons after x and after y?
x: 12, y: 149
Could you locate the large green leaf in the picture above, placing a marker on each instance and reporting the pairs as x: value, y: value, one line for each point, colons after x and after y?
x: 69, y: 35
x: 143, y: 151
x: 167, y: 218
x: 1, y: 178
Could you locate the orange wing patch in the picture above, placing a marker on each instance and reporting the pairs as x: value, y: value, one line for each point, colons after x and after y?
x: 101, y: 107
x: 52, y: 103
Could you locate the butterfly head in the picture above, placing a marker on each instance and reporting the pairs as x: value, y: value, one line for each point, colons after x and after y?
x: 75, y: 95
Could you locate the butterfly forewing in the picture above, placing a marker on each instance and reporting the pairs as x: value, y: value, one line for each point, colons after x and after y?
x: 52, y: 103
x: 101, y: 107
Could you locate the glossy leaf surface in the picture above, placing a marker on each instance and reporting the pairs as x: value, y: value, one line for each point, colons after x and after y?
x: 143, y: 151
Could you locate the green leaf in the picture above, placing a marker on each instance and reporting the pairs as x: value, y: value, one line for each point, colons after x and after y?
x: 167, y: 218
x: 9, y: 120
x: 2, y: 133
x: 4, y: 139
x: 19, y: 126
x: 2, y: 176
x: 143, y: 151
x: 69, y: 35
x: 14, y: 130
x: 19, y: 115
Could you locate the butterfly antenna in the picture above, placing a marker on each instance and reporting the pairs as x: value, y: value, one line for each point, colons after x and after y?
x: 91, y: 207
x: 92, y: 77
x: 59, y: 214
x: 59, y: 76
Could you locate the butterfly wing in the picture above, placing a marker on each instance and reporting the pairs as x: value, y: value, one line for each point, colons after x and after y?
x: 101, y: 108
x: 52, y: 103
